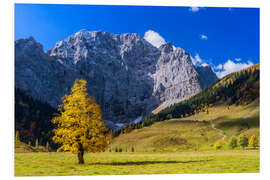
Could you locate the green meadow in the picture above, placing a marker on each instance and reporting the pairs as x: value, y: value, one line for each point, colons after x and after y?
x: 61, y: 164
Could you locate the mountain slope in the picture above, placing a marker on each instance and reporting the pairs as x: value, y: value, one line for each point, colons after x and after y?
x: 196, y: 132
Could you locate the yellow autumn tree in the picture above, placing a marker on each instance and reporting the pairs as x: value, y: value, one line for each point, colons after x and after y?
x: 79, y: 128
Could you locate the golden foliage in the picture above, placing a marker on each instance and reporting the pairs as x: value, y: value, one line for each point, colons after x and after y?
x: 253, y: 141
x: 218, y: 144
x: 79, y: 124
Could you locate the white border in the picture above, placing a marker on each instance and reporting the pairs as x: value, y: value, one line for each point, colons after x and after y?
x: 7, y: 82
x: 202, y: 3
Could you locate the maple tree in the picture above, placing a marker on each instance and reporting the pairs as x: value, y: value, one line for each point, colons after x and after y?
x: 79, y: 128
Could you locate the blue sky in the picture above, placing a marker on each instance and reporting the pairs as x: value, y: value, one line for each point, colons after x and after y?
x: 225, y: 38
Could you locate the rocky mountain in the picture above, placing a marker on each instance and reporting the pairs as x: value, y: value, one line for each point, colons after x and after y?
x: 34, y: 73
x: 127, y: 75
x: 206, y: 76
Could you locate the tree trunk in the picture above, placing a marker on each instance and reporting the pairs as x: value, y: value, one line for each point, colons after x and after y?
x: 80, y: 155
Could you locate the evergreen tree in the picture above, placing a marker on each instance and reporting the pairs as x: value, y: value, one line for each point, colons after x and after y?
x: 233, y: 142
x: 242, y: 140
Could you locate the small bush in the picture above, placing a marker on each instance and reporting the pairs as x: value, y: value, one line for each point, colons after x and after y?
x: 233, y: 142
x: 253, y: 141
x: 120, y: 149
x: 116, y: 149
x: 132, y: 149
x: 242, y: 140
x: 218, y: 144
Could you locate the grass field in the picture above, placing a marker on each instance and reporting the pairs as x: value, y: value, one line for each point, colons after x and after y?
x: 60, y: 164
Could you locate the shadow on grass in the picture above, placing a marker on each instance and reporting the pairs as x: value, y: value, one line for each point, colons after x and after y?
x: 187, y: 121
x: 248, y: 122
x: 147, y: 162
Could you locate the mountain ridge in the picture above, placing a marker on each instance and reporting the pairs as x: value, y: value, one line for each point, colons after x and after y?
x: 127, y: 75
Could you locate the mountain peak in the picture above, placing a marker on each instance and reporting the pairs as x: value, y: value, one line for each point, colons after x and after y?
x: 166, y: 48
x: 29, y: 45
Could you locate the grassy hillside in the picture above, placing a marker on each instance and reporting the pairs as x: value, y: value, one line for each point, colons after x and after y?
x: 196, y: 132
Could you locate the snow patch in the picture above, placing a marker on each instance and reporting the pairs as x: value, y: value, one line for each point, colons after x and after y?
x: 119, y: 125
x: 139, y: 119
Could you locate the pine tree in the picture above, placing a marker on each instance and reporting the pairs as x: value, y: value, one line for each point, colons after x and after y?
x: 242, y: 140
x: 233, y: 142
x: 79, y: 126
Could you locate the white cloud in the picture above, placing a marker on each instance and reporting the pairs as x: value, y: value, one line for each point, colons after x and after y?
x: 230, y: 67
x: 238, y: 59
x: 219, y: 67
x: 154, y: 38
x: 193, y: 60
x: 204, y: 37
x: 194, y: 9
x: 197, y: 58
